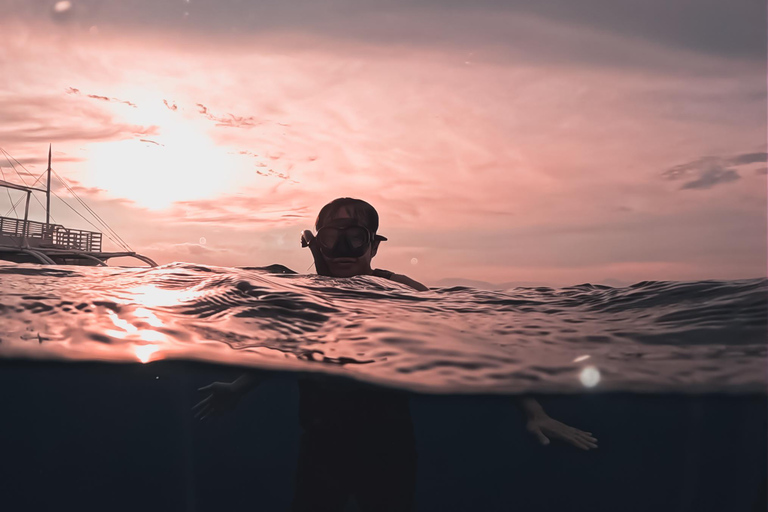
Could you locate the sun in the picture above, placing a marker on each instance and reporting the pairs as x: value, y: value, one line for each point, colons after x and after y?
x: 180, y: 163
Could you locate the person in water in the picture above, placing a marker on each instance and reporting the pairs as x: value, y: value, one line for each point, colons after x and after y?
x: 358, y: 440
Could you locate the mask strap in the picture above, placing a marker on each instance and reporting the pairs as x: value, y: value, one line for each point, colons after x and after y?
x: 308, y: 240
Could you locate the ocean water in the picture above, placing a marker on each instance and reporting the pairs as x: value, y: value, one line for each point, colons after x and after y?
x: 704, y: 336
x: 100, y: 369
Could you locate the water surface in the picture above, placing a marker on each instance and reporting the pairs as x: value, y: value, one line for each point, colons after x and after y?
x: 703, y: 336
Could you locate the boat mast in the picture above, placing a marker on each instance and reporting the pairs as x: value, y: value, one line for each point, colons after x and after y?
x: 48, y: 190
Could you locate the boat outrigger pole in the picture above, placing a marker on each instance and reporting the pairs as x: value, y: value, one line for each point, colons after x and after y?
x: 48, y: 191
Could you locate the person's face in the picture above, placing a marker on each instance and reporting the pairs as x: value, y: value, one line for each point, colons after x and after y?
x: 348, y: 267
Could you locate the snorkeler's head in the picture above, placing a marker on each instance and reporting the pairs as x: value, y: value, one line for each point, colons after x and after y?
x: 346, y: 234
x: 357, y: 209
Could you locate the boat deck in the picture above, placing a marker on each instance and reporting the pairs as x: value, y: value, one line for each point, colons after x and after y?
x: 42, y: 235
x: 52, y: 244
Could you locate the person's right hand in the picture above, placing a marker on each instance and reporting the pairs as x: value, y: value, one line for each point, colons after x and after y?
x: 221, y: 397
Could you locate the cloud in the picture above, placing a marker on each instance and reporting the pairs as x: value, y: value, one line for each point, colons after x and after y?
x: 106, y: 98
x: 732, y: 29
x: 710, y: 171
x: 198, y: 249
x: 51, y: 118
x: 33, y: 160
x: 236, y: 212
x: 80, y: 189
x: 228, y: 120
x: 72, y: 90
x: 275, y: 174
x: 711, y: 177
x: 748, y: 158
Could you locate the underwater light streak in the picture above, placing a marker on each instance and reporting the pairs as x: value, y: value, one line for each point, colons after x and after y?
x: 126, y: 330
x: 144, y: 352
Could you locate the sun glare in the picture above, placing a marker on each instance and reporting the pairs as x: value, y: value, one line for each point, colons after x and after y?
x: 179, y: 163
x: 144, y: 352
x: 152, y: 296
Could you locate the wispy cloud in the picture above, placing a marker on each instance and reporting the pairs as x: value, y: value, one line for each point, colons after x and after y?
x: 228, y: 120
x: 72, y: 90
x: 236, y: 212
x: 25, y: 119
x: 710, y: 171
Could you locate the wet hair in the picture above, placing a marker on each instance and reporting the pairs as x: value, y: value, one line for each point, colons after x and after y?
x: 358, y: 209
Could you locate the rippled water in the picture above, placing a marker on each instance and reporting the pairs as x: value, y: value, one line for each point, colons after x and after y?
x: 651, y: 336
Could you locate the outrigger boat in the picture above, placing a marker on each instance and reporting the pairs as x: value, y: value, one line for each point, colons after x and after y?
x: 29, y: 241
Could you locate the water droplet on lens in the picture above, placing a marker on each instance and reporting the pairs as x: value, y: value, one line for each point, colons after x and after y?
x: 61, y: 7
x: 414, y: 261
x: 203, y: 241
x: 62, y: 11
x: 589, y: 376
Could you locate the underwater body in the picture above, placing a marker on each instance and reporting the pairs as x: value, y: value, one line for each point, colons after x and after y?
x: 101, y: 367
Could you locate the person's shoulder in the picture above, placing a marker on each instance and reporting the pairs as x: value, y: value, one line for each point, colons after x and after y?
x: 400, y: 278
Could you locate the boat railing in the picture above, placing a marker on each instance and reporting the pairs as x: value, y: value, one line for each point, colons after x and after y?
x: 55, y: 236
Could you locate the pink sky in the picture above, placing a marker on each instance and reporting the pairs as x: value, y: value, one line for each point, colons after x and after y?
x: 496, y: 144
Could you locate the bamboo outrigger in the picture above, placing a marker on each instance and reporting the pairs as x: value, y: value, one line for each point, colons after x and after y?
x: 28, y: 241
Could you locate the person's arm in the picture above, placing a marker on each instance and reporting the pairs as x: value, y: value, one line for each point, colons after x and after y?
x: 224, y: 396
x: 400, y: 278
x: 541, y: 425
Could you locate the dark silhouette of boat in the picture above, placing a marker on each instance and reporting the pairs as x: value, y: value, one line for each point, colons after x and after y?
x: 29, y: 241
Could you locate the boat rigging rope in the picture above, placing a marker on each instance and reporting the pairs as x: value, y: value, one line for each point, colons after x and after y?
x: 89, y: 222
x: 13, y: 206
x: 16, y: 203
x: 122, y: 242
x: 9, y: 157
x: 119, y: 242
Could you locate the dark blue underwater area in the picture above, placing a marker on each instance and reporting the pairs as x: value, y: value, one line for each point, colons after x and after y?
x: 84, y: 436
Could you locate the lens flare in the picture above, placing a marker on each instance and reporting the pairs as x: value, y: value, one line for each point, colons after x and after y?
x: 590, y: 376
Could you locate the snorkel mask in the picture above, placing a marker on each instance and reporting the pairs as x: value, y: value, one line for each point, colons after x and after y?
x: 339, y: 240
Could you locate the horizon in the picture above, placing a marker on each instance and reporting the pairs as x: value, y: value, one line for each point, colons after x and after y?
x: 541, y: 144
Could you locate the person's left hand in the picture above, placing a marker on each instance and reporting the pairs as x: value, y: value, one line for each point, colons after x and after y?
x: 221, y: 397
x: 544, y: 427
